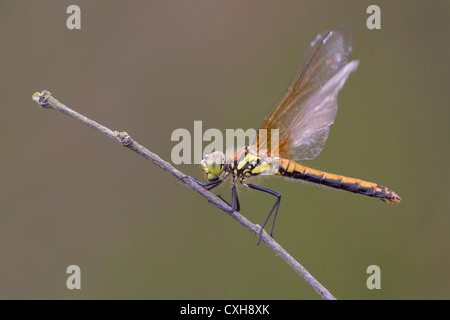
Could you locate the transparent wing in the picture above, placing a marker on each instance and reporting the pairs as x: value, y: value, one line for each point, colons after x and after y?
x: 306, y: 136
x: 324, y: 58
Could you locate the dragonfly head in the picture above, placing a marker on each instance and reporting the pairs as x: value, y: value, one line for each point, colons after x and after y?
x: 212, y: 165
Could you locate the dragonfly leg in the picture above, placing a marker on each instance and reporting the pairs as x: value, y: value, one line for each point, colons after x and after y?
x: 212, y: 184
x: 235, y: 199
x: 235, y: 206
x: 275, y: 207
x: 207, y: 185
x: 220, y: 197
x: 215, y: 205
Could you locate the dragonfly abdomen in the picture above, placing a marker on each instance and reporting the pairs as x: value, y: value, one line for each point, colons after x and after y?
x: 291, y: 169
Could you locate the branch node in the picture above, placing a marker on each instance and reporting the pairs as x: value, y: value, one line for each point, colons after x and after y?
x: 42, y: 98
x: 124, y: 138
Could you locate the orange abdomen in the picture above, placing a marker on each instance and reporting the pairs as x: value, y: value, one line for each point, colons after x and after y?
x: 291, y: 169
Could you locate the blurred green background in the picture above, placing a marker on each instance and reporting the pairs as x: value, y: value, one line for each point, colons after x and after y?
x: 69, y: 195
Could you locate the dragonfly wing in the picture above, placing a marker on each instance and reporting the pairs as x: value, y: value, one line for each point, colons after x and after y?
x: 326, y: 54
x: 324, y: 57
x: 308, y: 132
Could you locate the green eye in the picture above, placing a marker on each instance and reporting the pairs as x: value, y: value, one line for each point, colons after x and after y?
x: 215, y: 165
x: 212, y: 165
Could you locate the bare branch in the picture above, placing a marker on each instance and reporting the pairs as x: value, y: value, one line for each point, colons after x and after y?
x: 46, y: 100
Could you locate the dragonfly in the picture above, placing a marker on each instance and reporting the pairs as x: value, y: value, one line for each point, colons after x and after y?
x: 302, y: 117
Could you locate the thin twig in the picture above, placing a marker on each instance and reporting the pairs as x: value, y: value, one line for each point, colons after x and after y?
x: 45, y: 100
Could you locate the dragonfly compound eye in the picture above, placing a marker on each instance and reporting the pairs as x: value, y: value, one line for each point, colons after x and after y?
x: 212, y: 165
